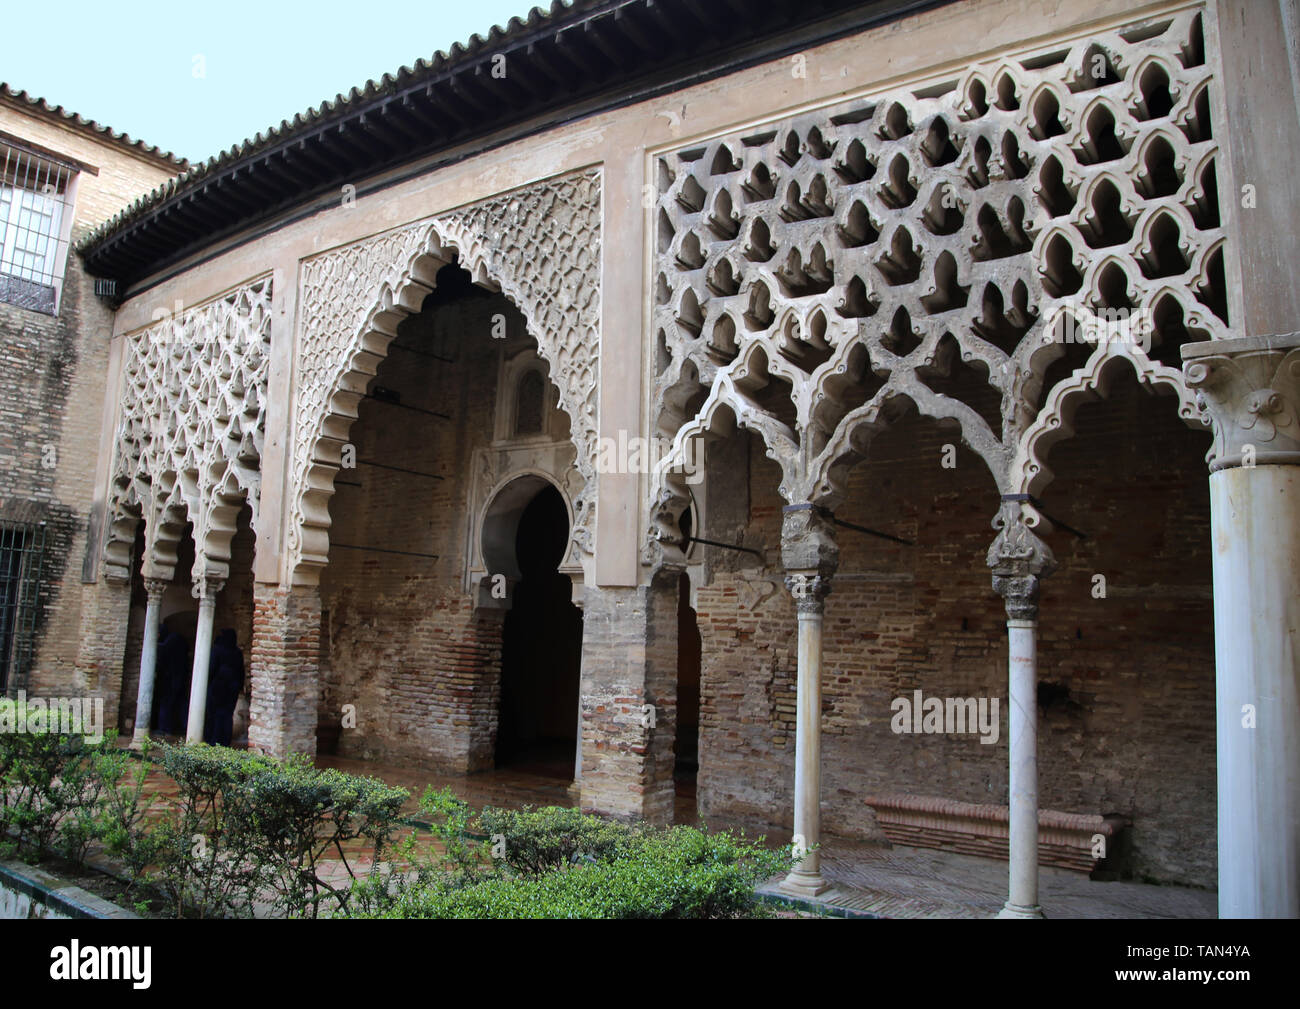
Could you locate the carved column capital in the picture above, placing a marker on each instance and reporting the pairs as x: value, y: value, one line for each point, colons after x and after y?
x: 810, y: 555
x: 1249, y: 389
x: 1019, y: 559
x: 808, y: 540
x: 206, y: 590
x: 1020, y: 595
x: 154, y: 588
x: 809, y: 590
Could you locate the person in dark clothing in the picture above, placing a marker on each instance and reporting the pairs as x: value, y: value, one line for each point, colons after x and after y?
x: 172, y: 682
x: 225, y: 681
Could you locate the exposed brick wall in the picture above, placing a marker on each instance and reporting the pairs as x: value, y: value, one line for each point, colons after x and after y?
x: 285, y: 675
x: 129, y: 693
x: 104, y: 623
x: 52, y: 386
x: 424, y: 678
x: 405, y: 645
x: 629, y: 661
x: 1130, y: 724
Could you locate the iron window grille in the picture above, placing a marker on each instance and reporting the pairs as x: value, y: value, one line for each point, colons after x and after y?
x: 36, y: 196
x: 22, y: 558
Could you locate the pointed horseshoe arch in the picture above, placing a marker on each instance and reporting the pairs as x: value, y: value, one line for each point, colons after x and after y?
x: 538, y: 246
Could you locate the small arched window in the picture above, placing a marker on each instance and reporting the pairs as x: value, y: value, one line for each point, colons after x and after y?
x: 530, y: 404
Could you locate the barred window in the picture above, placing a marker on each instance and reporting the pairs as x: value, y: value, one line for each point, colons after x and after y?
x: 22, y: 555
x: 35, y: 224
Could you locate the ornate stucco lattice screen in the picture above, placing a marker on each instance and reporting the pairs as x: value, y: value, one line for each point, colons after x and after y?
x: 190, y: 429
x: 815, y: 275
x: 539, y: 246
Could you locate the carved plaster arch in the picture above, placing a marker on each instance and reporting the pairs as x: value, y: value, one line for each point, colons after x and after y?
x: 1030, y: 473
x: 539, y: 246
x: 933, y: 199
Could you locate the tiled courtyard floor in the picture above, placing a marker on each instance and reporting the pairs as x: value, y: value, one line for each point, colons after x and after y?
x: 867, y: 879
x: 904, y: 882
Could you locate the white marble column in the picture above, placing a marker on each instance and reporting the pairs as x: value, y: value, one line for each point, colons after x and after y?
x: 154, y: 588
x: 1250, y: 390
x: 1022, y: 899
x: 206, y: 591
x: 806, y: 879
x: 810, y: 554
x: 1019, y: 559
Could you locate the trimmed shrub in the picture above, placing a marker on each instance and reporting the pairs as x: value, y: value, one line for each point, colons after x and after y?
x: 300, y: 816
x: 206, y: 849
x: 126, y: 807
x: 51, y: 786
x: 676, y: 873
x: 252, y: 829
x: 532, y: 842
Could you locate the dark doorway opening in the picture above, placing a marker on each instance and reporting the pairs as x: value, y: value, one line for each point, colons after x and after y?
x: 541, y: 653
x: 687, y: 764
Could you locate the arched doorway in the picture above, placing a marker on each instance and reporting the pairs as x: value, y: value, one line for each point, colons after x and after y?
x: 542, y: 637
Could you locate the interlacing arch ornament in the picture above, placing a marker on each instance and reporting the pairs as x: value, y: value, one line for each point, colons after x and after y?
x: 817, y: 275
x: 539, y: 246
x: 190, y: 430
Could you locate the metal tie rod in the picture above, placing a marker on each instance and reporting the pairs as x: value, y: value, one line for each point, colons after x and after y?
x: 400, y: 469
x: 405, y: 406
x: 383, y: 550
x: 726, y: 546
x: 1043, y: 511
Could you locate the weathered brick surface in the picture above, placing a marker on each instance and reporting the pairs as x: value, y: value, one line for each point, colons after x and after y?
x: 98, y: 671
x: 285, y: 670
x: 405, y: 646
x: 52, y: 386
x: 629, y: 662
x: 1127, y: 722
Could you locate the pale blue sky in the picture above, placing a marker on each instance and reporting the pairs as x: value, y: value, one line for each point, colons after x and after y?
x: 133, y: 66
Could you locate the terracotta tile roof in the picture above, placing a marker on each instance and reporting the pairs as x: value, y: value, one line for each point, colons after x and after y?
x: 330, y: 110
x: 33, y: 105
x: 565, y: 62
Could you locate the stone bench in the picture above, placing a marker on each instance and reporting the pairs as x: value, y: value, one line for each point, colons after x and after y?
x: 1065, y: 840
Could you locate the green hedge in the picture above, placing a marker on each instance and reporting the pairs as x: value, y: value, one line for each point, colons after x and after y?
x: 678, y: 872
x: 248, y: 835
x: 55, y: 788
x: 250, y: 829
x: 531, y: 841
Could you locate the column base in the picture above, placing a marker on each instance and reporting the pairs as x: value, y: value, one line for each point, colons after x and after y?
x: 138, y: 740
x: 1010, y: 910
x: 804, y: 884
